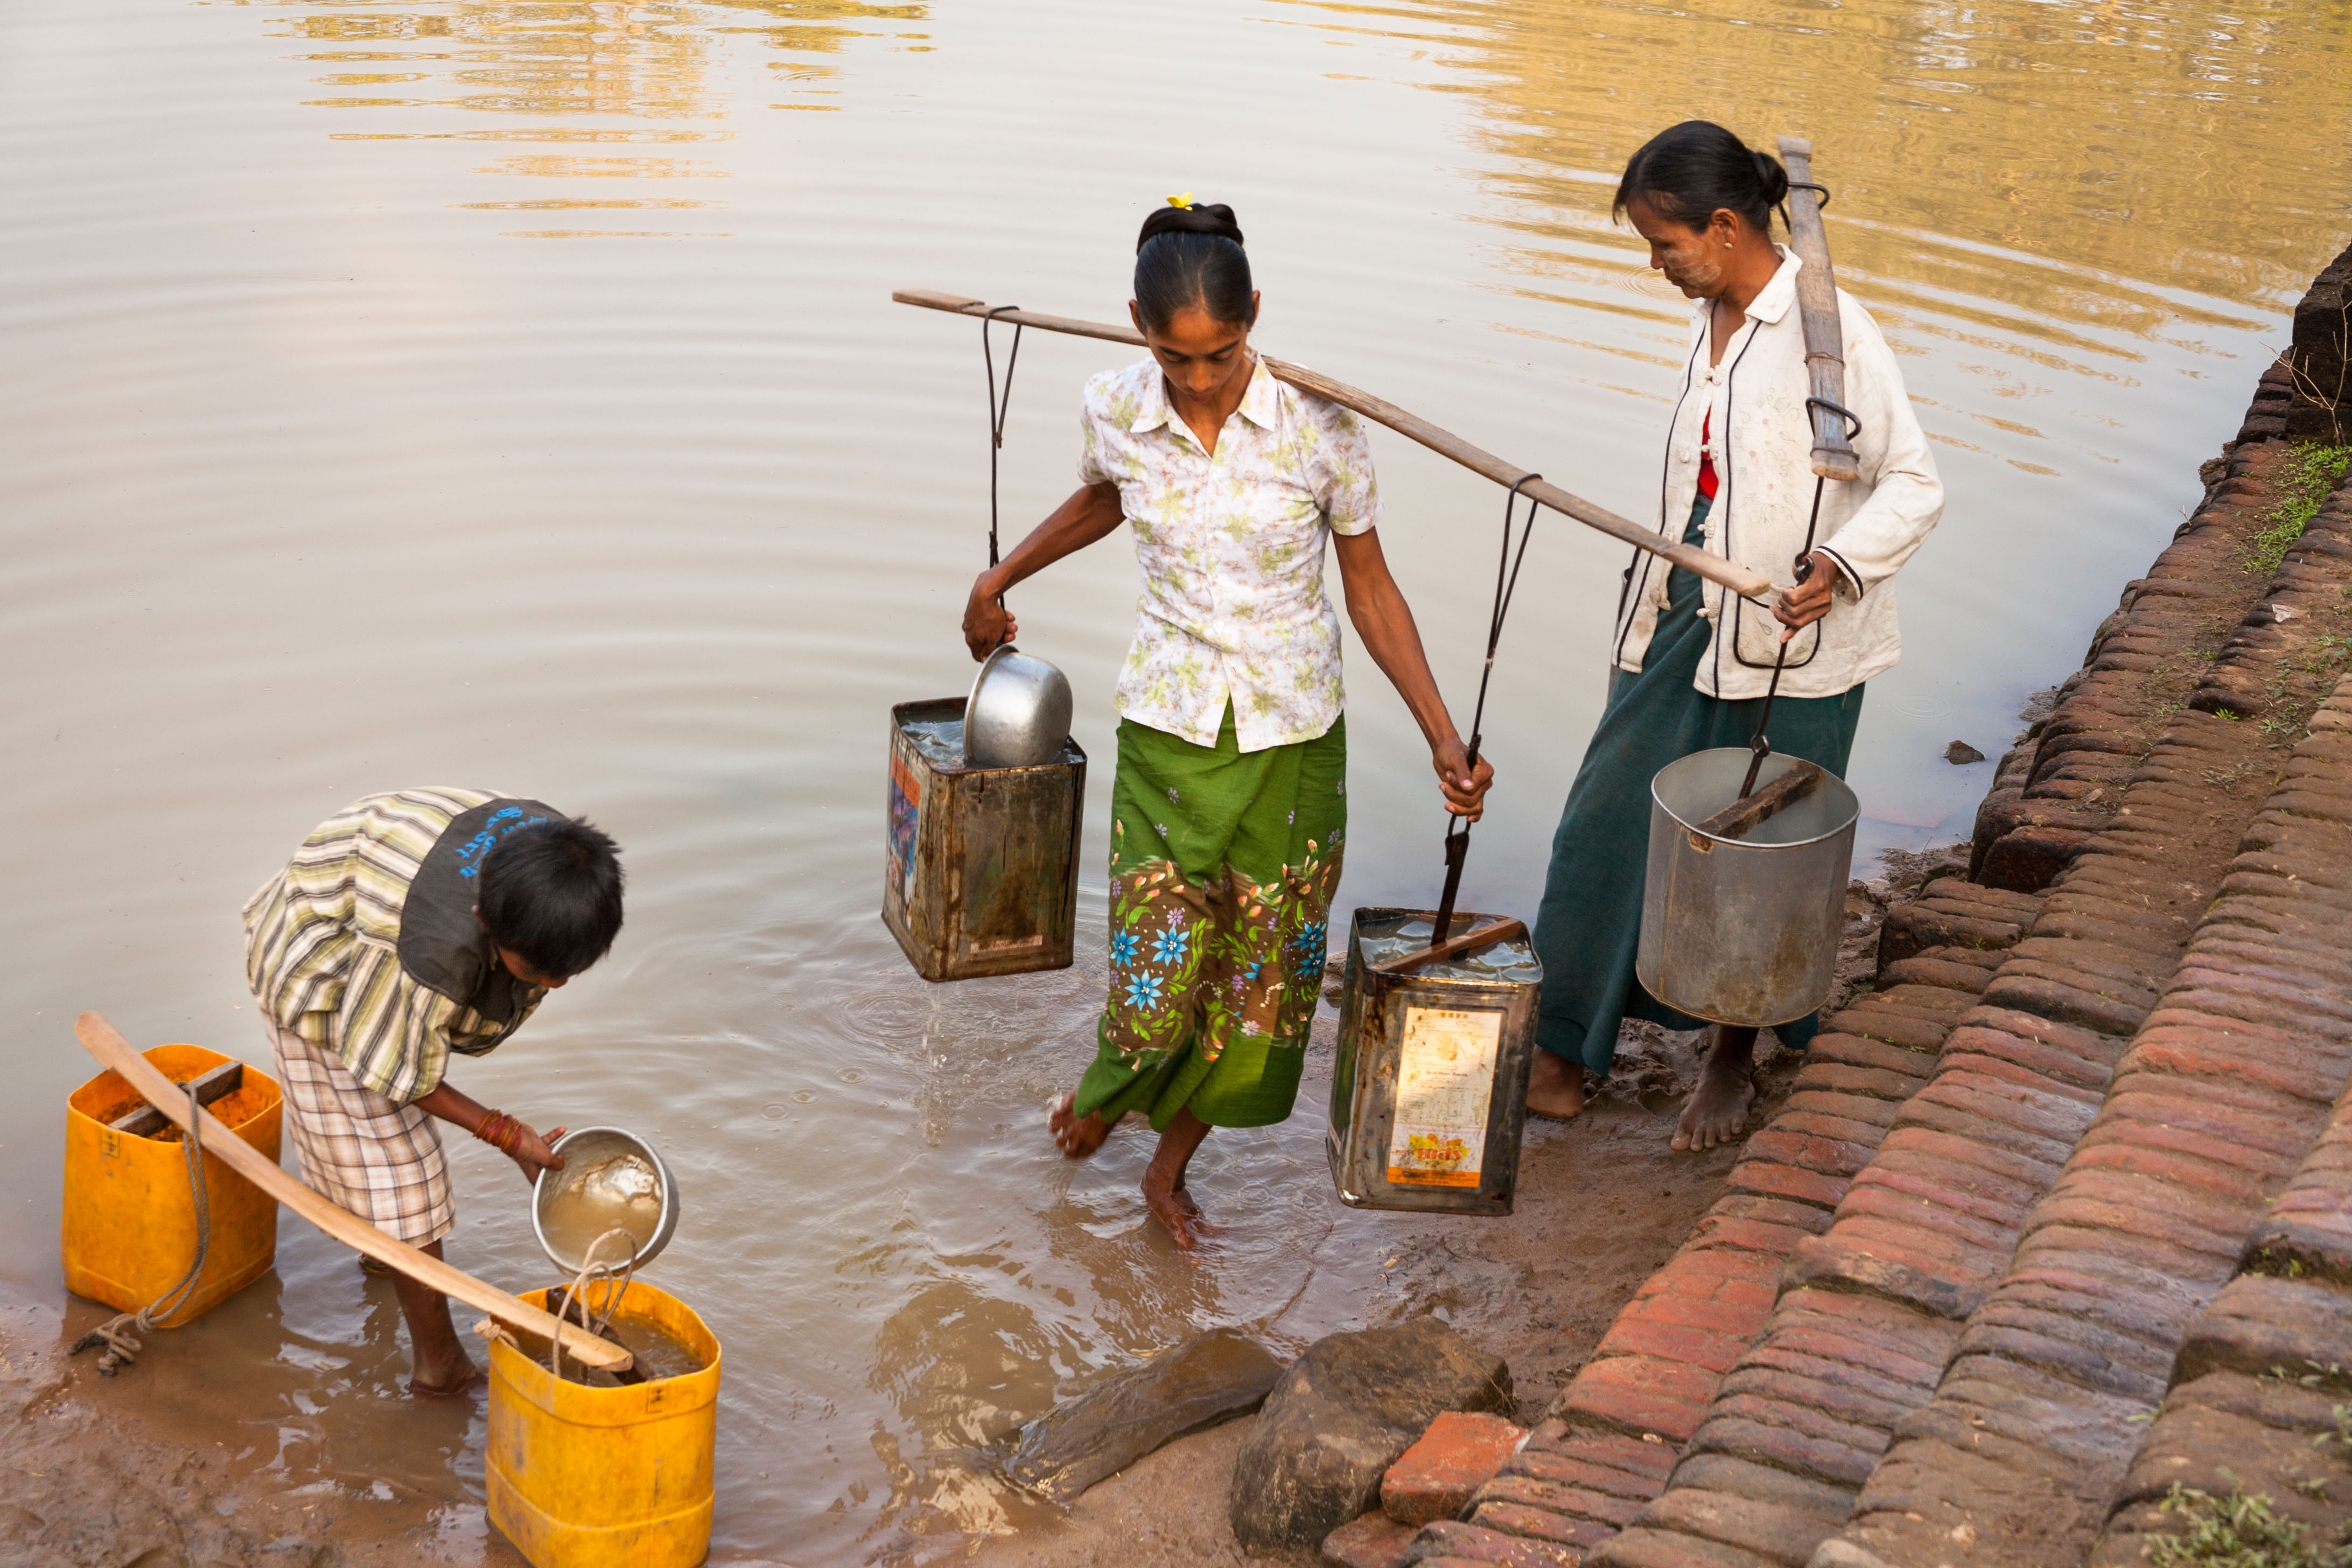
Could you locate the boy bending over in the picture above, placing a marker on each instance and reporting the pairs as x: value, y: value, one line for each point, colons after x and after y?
x: 408, y: 926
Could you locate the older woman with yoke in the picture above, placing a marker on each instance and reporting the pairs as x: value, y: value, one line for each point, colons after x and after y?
x: 1229, y: 808
x: 1692, y: 664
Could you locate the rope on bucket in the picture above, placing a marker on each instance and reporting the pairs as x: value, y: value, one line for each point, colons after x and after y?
x: 1507, y: 583
x: 120, y: 1335
x: 576, y: 1294
x: 1760, y: 746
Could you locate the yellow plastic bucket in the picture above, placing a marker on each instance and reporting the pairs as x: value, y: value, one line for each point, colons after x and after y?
x: 130, y: 1229
x: 596, y: 1478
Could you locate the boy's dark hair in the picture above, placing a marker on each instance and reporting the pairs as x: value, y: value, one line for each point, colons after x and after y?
x: 552, y: 894
x: 1690, y: 172
x: 1189, y: 256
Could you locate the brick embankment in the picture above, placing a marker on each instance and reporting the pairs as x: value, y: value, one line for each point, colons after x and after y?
x: 1613, y: 1435
x: 1871, y: 1311
x: 2230, y: 1423
x: 2053, y: 792
x: 2225, y: 1086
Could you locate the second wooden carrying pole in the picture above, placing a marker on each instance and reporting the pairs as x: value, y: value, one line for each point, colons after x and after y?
x: 102, y: 1040
x: 1730, y: 575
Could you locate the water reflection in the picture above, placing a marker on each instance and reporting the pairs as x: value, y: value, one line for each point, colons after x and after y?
x: 663, y: 530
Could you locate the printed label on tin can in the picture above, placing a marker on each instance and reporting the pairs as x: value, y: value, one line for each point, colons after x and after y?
x: 1446, y: 1080
x: 906, y: 810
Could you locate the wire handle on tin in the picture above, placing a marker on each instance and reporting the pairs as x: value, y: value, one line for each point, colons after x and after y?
x: 1760, y: 746
x: 1506, y: 584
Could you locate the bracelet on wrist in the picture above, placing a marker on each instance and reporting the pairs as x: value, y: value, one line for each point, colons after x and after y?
x: 501, y: 1132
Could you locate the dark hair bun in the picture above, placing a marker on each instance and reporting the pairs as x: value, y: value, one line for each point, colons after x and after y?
x: 1690, y: 172
x: 1201, y: 217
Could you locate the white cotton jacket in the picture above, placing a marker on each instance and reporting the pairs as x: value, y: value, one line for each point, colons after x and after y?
x: 1752, y: 404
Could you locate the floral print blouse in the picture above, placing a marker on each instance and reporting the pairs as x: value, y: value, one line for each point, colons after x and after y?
x: 1231, y: 549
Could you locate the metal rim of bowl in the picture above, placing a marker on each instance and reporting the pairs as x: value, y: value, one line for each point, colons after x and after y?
x: 663, y: 1229
x: 972, y: 697
x: 1850, y: 825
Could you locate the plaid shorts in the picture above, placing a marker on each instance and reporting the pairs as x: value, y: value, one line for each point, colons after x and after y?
x: 365, y: 1153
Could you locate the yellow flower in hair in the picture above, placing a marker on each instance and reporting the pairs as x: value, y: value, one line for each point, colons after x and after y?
x: 1184, y: 200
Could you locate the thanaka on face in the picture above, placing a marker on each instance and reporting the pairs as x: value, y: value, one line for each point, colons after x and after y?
x: 1206, y: 362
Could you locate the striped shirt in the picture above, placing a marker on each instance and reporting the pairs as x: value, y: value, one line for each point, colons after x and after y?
x: 323, y: 948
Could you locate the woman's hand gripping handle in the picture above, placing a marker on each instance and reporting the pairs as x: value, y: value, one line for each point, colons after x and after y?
x: 1091, y: 514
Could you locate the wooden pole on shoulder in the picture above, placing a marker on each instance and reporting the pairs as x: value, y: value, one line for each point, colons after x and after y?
x: 1730, y: 575
x: 1817, y: 308
x: 102, y: 1040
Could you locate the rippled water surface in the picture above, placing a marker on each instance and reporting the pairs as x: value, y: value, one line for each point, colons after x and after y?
x: 425, y: 391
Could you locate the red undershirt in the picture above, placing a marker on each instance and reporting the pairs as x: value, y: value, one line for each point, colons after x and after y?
x: 1707, y: 483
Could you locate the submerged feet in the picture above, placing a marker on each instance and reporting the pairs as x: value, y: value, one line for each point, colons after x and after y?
x: 1164, y: 1181
x: 1716, y: 1111
x: 1171, y: 1204
x: 1078, y: 1136
x: 1555, y: 1087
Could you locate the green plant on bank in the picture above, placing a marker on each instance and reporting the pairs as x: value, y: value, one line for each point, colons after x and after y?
x: 2237, y: 1532
x: 2303, y: 478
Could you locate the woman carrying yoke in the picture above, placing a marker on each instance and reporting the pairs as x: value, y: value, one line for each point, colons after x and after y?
x: 1229, y: 808
x: 1692, y: 664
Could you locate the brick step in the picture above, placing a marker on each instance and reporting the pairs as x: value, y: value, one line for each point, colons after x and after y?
x: 2227, y: 1423
x: 2114, y: 1289
x: 1613, y: 1436
x: 1910, y: 1341
x: 2061, y: 787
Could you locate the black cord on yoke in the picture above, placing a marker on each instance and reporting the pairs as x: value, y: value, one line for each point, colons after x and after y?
x: 997, y: 410
x: 1507, y: 583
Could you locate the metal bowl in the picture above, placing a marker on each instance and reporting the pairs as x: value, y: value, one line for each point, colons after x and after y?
x: 1018, y: 715
x: 583, y: 1150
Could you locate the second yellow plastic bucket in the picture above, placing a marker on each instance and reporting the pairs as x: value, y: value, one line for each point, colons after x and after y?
x: 596, y: 1478
x: 129, y: 1224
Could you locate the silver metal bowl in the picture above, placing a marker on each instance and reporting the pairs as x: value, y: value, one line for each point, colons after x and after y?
x: 583, y: 1150
x: 1018, y: 715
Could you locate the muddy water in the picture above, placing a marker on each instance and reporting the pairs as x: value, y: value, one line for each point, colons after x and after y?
x: 409, y: 391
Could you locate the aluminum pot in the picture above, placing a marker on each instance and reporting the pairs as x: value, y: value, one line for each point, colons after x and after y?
x: 583, y: 1149
x: 1018, y: 714
x: 1743, y: 930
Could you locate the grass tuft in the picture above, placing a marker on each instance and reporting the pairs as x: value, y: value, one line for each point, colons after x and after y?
x: 2237, y: 1532
x: 2309, y: 472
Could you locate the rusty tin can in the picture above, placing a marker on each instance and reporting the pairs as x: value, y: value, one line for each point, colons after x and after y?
x: 982, y: 872
x: 1430, y: 1090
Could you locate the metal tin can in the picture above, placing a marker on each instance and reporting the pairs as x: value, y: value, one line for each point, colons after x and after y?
x: 981, y: 871
x: 1743, y: 930
x: 1430, y: 1092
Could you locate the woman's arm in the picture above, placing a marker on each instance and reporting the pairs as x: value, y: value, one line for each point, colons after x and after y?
x: 530, y: 1152
x: 1092, y: 513
x: 1376, y: 609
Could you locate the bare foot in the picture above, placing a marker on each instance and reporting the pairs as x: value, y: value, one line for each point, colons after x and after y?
x: 451, y: 1382
x: 1555, y: 1087
x: 1174, y: 1208
x: 1078, y: 1136
x: 1716, y: 1111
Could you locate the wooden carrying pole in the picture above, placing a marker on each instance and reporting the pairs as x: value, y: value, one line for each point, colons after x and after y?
x: 1738, y: 579
x: 1817, y: 308
x: 104, y: 1041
